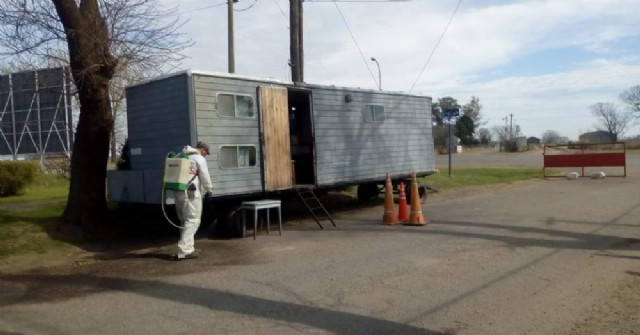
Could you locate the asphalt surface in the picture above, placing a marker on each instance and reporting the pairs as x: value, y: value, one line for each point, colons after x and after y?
x: 530, y: 258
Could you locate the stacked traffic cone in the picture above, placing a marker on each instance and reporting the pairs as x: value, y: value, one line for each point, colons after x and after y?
x: 415, y: 218
x: 389, y: 217
x: 403, y: 212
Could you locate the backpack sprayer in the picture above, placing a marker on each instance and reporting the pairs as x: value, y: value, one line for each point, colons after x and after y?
x: 176, y: 178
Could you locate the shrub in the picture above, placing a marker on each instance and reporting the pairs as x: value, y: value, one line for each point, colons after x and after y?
x: 15, y: 176
x: 57, y: 166
x: 124, y: 162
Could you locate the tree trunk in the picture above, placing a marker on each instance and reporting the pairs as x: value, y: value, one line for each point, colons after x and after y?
x: 87, y: 204
x: 92, y: 67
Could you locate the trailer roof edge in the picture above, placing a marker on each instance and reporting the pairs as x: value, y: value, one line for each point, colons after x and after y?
x: 190, y: 72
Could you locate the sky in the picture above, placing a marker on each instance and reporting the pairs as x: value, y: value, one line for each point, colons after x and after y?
x: 543, y: 61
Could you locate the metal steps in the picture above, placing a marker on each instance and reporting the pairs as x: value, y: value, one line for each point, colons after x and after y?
x: 314, y: 206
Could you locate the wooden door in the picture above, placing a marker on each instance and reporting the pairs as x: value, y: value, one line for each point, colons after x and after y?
x: 276, y: 146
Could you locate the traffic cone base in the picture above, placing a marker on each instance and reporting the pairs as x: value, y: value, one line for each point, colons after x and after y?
x: 389, y: 217
x: 416, y: 219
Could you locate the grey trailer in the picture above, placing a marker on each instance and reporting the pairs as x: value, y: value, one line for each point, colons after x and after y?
x: 269, y: 136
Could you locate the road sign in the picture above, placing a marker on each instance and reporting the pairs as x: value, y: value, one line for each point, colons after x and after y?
x: 451, y: 112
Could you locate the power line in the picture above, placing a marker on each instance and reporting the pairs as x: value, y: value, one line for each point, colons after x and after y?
x: 436, y: 46
x: 281, y: 10
x: 246, y: 9
x: 356, y: 43
x: 201, y: 8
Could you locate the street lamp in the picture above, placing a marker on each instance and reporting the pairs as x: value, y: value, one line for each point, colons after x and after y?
x: 379, y: 75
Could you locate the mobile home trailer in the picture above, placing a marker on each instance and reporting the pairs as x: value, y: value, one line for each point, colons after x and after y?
x: 267, y: 135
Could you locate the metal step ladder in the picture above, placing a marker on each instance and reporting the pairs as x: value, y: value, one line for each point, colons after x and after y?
x: 314, y: 206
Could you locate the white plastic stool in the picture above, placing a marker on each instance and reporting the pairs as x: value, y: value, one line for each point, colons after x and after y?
x: 256, y: 206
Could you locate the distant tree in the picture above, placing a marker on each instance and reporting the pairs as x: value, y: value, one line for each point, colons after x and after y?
x: 465, y: 129
x: 507, y: 136
x: 631, y: 98
x: 501, y: 132
x: 473, y: 110
x: 551, y: 137
x: 484, y: 135
x: 610, y: 119
x: 436, y: 115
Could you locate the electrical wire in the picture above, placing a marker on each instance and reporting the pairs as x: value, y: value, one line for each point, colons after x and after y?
x: 436, y: 46
x: 201, y: 8
x: 246, y: 9
x: 356, y: 43
x: 281, y: 10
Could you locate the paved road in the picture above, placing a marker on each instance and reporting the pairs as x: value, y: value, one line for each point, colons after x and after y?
x: 533, y: 258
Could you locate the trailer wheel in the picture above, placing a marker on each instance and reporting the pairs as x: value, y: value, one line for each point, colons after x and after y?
x: 367, y: 192
x: 422, y: 192
x: 230, y: 222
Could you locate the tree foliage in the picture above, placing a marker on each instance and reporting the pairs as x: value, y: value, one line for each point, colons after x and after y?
x: 465, y: 128
x: 484, y: 136
x: 473, y: 110
x: 631, y: 98
x: 610, y: 119
x: 436, y: 115
x: 97, y: 39
x: 551, y: 137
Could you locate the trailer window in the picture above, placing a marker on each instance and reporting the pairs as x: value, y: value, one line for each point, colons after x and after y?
x: 373, y: 113
x: 231, y: 105
x: 233, y: 157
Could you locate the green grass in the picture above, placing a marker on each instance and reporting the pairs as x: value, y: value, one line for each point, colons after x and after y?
x: 23, y: 218
x: 464, y: 177
x: 43, y: 188
x: 23, y: 231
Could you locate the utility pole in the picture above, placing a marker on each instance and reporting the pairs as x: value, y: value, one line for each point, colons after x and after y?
x: 231, y: 55
x: 511, y: 126
x: 296, y: 45
x: 296, y: 33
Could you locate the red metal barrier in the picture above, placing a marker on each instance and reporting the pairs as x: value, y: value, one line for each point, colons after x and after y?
x: 584, y: 158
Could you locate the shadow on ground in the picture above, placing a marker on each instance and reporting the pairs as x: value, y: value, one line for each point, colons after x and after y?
x: 61, y: 287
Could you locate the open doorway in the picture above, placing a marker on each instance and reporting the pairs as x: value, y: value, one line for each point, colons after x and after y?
x: 301, y: 135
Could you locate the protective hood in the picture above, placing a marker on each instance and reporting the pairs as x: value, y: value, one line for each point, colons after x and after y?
x: 189, y: 150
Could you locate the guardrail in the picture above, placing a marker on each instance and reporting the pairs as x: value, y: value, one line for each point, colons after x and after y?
x: 585, y: 155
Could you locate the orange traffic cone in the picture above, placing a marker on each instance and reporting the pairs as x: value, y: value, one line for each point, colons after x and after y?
x: 403, y: 212
x: 389, y: 217
x: 416, y: 218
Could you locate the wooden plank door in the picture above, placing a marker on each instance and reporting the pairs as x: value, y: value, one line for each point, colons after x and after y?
x: 276, y: 146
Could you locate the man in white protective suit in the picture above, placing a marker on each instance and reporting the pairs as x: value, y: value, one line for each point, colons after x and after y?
x: 189, y: 202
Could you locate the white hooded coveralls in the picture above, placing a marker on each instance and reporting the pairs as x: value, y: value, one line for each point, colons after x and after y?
x: 189, y: 203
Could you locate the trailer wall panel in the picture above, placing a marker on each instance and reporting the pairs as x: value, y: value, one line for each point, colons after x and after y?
x: 219, y: 131
x: 348, y: 148
x: 158, y: 119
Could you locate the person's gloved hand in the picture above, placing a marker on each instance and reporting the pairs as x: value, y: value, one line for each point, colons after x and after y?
x: 208, y: 195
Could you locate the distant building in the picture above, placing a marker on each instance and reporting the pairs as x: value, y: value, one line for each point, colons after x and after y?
x: 599, y: 136
x: 533, y: 140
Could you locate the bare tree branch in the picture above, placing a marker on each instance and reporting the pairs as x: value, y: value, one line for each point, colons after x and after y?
x: 631, y: 98
x: 610, y: 119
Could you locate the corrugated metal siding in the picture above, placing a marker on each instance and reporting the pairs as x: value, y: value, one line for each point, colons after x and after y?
x: 219, y: 131
x: 158, y: 120
x: 348, y: 149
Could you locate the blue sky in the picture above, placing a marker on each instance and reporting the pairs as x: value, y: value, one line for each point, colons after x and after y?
x: 544, y: 61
